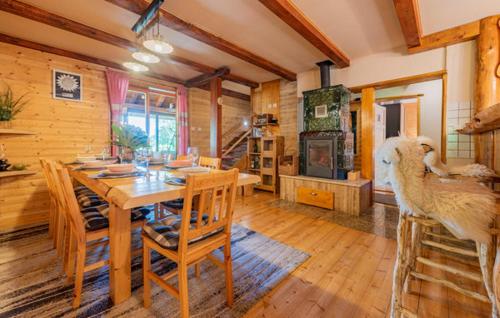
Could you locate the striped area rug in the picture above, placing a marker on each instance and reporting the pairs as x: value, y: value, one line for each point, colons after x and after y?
x: 32, y: 283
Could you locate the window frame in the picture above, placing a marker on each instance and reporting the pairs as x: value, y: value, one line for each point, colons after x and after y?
x: 148, y: 112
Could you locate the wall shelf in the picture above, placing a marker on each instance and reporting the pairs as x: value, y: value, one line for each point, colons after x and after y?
x: 4, y: 131
x: 11, y: 173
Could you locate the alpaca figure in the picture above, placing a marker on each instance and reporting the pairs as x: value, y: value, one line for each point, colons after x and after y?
x: 468, y: 215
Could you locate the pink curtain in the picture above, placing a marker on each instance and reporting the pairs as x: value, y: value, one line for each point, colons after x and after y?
x: 117, y: 93
x: 182, y: 123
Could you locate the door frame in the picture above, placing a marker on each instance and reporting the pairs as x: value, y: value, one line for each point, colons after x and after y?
x: 368, y: 114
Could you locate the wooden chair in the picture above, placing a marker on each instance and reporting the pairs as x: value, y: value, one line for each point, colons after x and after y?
x: 79, y: 238
x: 176, y: 206
x: 414, y: 232
x: 213, y: 163
x: 196, y: 239
x: 56, y: 214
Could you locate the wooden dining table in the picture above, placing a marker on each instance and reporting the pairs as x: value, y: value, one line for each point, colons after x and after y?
x: 123, y: 194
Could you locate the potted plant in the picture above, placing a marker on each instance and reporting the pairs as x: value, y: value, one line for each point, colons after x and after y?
x: 10, y: 107
x: 129, y: 138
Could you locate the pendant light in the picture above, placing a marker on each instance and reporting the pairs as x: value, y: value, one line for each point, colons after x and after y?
x: 136, y: 67
x: 145, y: 57
x: 157, y: 44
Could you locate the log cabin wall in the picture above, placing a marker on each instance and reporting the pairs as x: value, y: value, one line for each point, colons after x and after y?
x: 63, y: 128
x: 285, y: 95
x: 234, y: 112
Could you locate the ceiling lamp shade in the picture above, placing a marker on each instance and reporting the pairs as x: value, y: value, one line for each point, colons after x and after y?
x: 145, y: 57
x: 136, y: 67
x: 158, y: 45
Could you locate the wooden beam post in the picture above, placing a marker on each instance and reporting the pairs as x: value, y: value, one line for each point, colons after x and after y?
x: 215, y: 117
x: 289, y: 13
x: 487, y: 83
x: 409, y: 19
x: 367, y: 131
x: 205, y: 78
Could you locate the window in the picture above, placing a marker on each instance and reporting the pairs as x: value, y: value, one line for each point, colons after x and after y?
x: 154, y: 111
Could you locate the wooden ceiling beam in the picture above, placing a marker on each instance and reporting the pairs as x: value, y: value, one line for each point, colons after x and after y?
x: 205, y: 78
x: 291, y: 15
x: 33, y: 13
x: 461, y: 33
x: 171, y: 21
x: 228, y: 92
x: 77, y: 56
x: 409, y: 19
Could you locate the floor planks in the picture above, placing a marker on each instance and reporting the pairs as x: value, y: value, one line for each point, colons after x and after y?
x: 349, y: 273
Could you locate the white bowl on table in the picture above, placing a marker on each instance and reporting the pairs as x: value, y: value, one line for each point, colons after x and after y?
x: 121, y: 168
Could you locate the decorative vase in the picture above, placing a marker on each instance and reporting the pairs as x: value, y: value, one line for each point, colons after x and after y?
x: 5, y: 124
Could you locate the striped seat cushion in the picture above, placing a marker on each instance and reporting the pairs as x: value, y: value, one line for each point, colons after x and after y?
x: 87, y: 198
x: 166, y: 231
x: 96, y: 217
x: 174, y: 204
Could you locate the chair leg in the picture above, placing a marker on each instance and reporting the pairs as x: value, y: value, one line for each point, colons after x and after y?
x: 197, y: 270
x: 70, y: 266
x: 80, y: 266
x: 66, y: 252
x: 60, y: 233
x: 183, y: 289
x: 146, y: 261
x: 228, y: 267
x: 51, y: 218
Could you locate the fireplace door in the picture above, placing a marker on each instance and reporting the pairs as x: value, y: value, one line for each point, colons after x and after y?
x: 320, y: 157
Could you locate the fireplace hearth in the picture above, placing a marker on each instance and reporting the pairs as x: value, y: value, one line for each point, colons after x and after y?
x: 326, y: 144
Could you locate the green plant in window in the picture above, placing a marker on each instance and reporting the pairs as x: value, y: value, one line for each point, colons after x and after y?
x: 129, y: 137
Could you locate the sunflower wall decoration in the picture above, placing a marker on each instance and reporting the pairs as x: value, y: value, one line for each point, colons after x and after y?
x: 67, y: 85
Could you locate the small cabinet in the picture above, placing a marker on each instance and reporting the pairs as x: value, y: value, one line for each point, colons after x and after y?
x: 319, y: 198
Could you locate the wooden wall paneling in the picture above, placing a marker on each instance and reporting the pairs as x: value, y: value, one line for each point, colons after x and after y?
x: 367, y: 127
x: 63, y: 128
x: 234, y: 111
x: 487, y: 83
x: 288, y: 116
x: 270, y: 102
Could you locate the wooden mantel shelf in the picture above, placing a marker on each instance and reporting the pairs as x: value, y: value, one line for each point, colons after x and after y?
x: 486, y: 120
x: 4, y: 131
x: 6, y: 174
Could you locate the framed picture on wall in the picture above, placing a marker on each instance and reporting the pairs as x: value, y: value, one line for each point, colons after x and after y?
x: 67, y: 85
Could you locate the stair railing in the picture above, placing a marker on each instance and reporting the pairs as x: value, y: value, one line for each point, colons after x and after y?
x: 237, y: 142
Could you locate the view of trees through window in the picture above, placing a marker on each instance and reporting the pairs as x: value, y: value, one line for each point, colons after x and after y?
x: 155, y: 113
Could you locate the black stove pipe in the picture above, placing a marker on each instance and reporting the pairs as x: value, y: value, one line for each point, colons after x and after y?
x: 324, y: 69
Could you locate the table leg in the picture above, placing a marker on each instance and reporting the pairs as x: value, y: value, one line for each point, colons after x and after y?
x: 120, y: 262
x: 248, y: 190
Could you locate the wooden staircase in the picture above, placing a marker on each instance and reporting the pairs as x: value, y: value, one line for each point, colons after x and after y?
x: 234, y: 153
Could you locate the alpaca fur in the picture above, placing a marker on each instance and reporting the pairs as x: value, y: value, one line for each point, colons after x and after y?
x: 433, y: 161
x: 402, y: 162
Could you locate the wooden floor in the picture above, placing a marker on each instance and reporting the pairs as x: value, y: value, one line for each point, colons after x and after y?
x: 349, y: 273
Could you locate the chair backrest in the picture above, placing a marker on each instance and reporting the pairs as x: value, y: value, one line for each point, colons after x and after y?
x: 67, y: 193
x: 208, y: 162
x: 215, y: 210
x: 48, y: 178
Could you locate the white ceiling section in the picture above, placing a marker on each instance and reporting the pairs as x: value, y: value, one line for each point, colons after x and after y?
x: 438, y: 15
x: 358, y: 27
